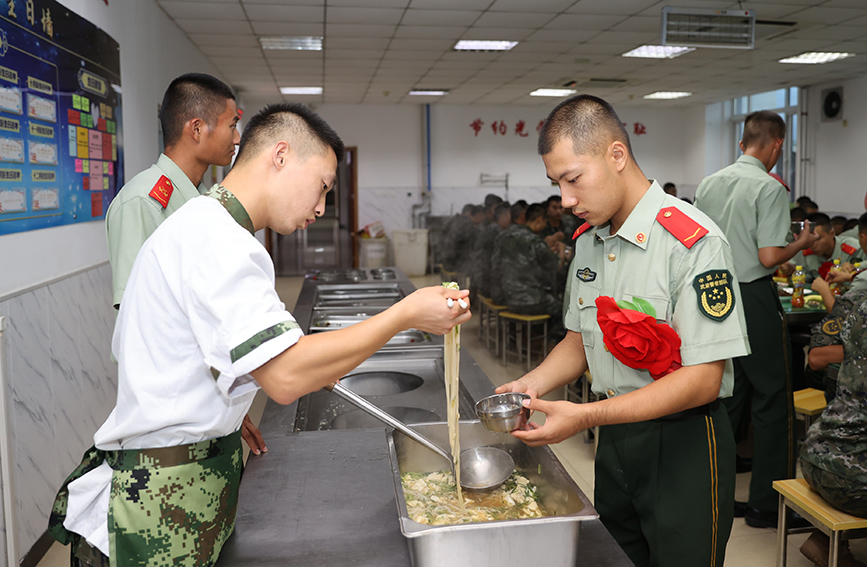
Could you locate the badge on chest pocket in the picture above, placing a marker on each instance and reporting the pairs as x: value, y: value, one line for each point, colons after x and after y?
x: 586, y: 275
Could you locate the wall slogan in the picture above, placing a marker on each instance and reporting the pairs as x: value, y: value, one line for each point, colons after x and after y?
x: 60, y: 117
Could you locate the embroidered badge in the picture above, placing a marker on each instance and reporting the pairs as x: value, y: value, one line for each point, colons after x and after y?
x: 715, y: 295
x: 832, y: 327
x: 586, y: 275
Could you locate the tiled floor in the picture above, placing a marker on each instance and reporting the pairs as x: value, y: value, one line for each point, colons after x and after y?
x: 747, y: 547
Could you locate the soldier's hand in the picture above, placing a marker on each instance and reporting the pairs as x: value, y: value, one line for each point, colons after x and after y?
x: 838, y: 276
x: 787, y: 269
x: 807, y: 237
x: 562, y: 420
x: 819, y: 285
x: 437, y: 309
x: 252, y: 436
x: 518, y: 387
x: 847, y: 267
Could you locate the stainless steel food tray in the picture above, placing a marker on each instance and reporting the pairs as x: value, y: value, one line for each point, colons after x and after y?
x: 549, y: 541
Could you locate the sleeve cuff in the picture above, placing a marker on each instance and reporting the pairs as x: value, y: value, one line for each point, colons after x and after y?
x: 718, y: 350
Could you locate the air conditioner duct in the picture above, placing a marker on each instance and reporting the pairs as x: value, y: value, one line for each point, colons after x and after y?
x: 701, y: 27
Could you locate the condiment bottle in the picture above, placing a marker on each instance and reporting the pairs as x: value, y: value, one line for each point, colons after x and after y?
x: 798, y: 281
x: 835, y: 287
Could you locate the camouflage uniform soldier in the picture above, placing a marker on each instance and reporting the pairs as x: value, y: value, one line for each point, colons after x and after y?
x: 457, y: 242
x: 484, y: 248
x: 834, y: 454
x: 523, y: 268
x: 200, y: 330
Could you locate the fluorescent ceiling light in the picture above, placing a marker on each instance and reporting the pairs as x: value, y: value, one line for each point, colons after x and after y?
x: 816, y: 57
x: 484, y: 45
x: 553, y: 92
x: 308, y: 43
x: 429, y: 92
x: 301, y: 90
x: 658, y: 51
x: 667, y: 95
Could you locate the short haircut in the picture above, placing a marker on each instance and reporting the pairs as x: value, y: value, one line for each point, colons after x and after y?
x: 851, y: 223
x: 588, y: 121
x: 820, y: 219
x: 797, y: 214
x: 519, y: 208
x: 669, y: 185
x: 840, y: 221
x: 194, y: 95
x: 305, y: 130
x: 535, y: 211
x: 478, y: 210
x: 491, y: 199
x: 501, y: 208
x: 862, y: 223
x: 763, y: 127
x: 552, y: 199
x: 803, y: 199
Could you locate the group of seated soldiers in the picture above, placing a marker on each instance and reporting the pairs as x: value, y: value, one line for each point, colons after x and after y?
x: 514, y: 254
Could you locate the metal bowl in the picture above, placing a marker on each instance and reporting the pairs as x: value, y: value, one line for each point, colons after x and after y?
x: 503, y: 412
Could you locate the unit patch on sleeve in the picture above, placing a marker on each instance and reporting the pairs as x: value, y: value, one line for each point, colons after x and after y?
x: 831, y: 327
x: 586, y: 275
x: 716, y: 298
x: 162, y: 191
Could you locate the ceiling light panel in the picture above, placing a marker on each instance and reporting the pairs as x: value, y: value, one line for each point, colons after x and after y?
x: 667, y: 95
x: 301, y: 90
x: 816, y: 57
x: 553, y: 92
x: 658, y: 51
x: 484, y: 45
x: 305, y: 43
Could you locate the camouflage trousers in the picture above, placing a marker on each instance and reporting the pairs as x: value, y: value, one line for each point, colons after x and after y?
x: 171, y: 506
x: 847, y: 495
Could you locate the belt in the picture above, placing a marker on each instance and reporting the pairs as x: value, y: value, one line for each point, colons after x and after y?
x: 161, y: 457
x: 706, y: 409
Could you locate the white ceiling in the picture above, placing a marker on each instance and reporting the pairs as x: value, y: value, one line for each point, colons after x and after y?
x: 375, y: 51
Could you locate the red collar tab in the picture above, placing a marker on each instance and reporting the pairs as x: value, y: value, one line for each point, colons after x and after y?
x: 807, y: 252
x: 162, y: 191
x: 686, y: 230
x: 581, y: 230
x: 848, y: 249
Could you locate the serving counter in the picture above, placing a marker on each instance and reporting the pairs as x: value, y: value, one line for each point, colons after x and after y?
x: 327, y: 497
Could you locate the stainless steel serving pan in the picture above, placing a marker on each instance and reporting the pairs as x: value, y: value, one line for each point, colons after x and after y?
x: 549, y: 541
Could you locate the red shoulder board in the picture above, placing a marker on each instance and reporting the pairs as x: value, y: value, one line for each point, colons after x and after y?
x: 848, y: 249
x: 681, y: 226
x: 807, y: 252
x: 581, y: 230
x: 162, y: 191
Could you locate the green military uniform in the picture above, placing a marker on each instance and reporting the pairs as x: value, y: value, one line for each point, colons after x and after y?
x: 752, y: 210
x: 522, y: 270
x: 143, y: 203
x: 859, y: 283
x: 480, y: 276
x: 845, y: 249
x: 834, y: 454
x: 827, y: 332
x: 664, y: 488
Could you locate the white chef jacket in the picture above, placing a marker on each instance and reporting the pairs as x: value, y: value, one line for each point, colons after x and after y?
x: 200, y: 303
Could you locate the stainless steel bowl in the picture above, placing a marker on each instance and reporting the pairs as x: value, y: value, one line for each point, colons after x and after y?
x: 503, y: 413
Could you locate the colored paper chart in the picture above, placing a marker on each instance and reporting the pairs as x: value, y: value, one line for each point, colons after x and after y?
x: 61, y: 149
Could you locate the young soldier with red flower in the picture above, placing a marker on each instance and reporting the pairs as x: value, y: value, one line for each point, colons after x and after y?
x: 665, y: 463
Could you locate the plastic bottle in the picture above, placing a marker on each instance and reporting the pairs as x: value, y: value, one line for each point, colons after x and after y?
x: 835, y: 287
x: 798, y: 281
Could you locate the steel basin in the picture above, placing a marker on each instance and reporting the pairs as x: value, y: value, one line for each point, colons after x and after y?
x: 360, y: 295
x: 380, y: 376
x: 358, y: 419
x: 552, y: 540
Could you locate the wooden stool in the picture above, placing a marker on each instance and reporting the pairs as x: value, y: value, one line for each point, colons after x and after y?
x: 529, y: 321
x: 809, y: 403
x: 489, y: 328
x: 797, y: 495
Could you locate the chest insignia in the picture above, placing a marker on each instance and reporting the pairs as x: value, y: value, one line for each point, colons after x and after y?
x: 713, y: 290
x: 848, y: 249
x: 581, y: 230
x: 586, y: 275
x: 162, y: 191
x: 686, y: 230
x: 831, y: 328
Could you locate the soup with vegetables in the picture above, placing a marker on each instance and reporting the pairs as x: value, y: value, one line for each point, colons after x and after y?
x: 431, y: 499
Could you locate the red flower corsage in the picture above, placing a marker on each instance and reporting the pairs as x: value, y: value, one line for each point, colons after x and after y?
x: 635, y: 338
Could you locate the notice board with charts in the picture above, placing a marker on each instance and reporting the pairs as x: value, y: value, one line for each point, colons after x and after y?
x: 60, y: 117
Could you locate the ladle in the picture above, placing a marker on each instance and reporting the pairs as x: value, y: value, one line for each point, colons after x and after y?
x: 480, y: 469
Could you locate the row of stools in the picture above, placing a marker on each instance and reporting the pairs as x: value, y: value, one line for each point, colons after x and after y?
x: 507, y: 333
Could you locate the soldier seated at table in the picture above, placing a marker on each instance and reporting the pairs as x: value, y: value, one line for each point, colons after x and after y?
x: 834, y: 453
x: 827, y: 248
x: 523, y: 268
x: 483, y: 248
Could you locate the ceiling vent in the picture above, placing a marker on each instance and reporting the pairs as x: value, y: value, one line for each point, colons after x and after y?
x: 698, y: 27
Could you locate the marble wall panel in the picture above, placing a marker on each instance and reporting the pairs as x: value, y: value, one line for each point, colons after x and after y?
x: 61, y: 385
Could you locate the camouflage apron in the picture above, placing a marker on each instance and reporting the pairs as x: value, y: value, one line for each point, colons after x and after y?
x: 168, y: 506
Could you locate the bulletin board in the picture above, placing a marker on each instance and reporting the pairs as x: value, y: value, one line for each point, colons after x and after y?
x: 60, y: 117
